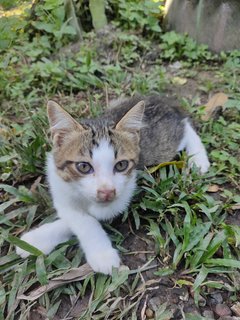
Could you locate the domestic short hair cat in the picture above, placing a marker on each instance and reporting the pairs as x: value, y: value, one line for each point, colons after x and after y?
x: 93, y: 166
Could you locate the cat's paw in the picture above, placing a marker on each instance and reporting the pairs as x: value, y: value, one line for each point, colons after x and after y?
x: 104, y: 261
x: 27, y: 237
x: 22, y: 253
x: 32, y: 237
x: 201, y: 162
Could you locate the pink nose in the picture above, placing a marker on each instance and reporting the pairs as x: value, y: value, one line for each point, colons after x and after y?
x: 106, y: 194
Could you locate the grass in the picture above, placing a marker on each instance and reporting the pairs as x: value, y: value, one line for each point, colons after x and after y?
x: 184, y: 227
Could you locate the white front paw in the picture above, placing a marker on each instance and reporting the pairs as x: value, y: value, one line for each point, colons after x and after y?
x: 201, y: 161
x: 32, y: 238
x: 103, y: 261
x: 27, y: 237
x: 22, y: 253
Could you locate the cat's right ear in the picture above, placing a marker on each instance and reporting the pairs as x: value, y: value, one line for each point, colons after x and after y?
x: 132, y: 120
x: 61, y: 123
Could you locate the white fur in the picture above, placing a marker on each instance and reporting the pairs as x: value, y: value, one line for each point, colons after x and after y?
x: 194, y: 148
x: 79, y: 212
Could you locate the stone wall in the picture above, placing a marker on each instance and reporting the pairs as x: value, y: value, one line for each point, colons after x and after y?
x: 213, y: 22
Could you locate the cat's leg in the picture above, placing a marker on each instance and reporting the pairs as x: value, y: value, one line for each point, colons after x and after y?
x: 94, y: 241
x: 46, y: 237
x: 194, y: 148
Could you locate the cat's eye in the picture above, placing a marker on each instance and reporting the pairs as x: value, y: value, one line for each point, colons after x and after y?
x: 84, y: 167
x: 121, y: 166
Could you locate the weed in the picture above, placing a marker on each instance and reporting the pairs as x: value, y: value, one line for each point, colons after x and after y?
x: 176, y: 46
x: 138, y: 15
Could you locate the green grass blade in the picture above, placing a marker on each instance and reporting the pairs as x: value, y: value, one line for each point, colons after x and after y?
x: 7, y: 204
x: 197, y: 234
x: 19, y: 276
x: 200, y: 277
x: 201, y: 250
x: 213, y: 246
x: 41, y: 270
x: 12, y: 214
x: 53, y: 310
x: 224, y: 262
x: 9, y: 258
x: 118, y: 278
x: 170, y: 230
x: 24, y: 245
x: 164, y: 272
x: 178, y: 254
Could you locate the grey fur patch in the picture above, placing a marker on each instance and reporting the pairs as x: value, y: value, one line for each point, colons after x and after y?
x: 162, y: 131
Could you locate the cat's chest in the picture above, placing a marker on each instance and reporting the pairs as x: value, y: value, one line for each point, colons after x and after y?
x: 109, y: 211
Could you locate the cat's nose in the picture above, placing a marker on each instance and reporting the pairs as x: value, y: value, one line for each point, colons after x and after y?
x: 106, y: 194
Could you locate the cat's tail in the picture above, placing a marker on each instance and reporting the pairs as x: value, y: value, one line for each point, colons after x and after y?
x: 196, y: 151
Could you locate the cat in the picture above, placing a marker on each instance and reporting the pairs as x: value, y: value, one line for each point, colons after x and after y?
x: 93, y: 166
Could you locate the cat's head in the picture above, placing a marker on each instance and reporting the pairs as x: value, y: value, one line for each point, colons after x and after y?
x: 99, y: 159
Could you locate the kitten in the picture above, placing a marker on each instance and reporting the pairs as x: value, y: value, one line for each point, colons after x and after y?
x: 92, y: 169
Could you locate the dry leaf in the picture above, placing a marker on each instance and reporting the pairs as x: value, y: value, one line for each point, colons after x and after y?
x: 179, y: 81
x: 35, y: 184
x: 213, y: 188
x: 75, y: 274
x: 236, y: 206
x: 216, y: 101
x: 236, y: 309
x: 178, y: 164
x: 143, y: 311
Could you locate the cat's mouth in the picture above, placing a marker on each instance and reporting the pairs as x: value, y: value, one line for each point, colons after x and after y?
x: 106, y: 200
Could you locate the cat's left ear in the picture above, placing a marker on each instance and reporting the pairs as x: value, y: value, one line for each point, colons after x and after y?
x: 132, y: 120
x: 61, y: 123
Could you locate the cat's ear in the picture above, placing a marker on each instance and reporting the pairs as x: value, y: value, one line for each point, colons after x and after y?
x: 61, y: 123
x: 132, y: 120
